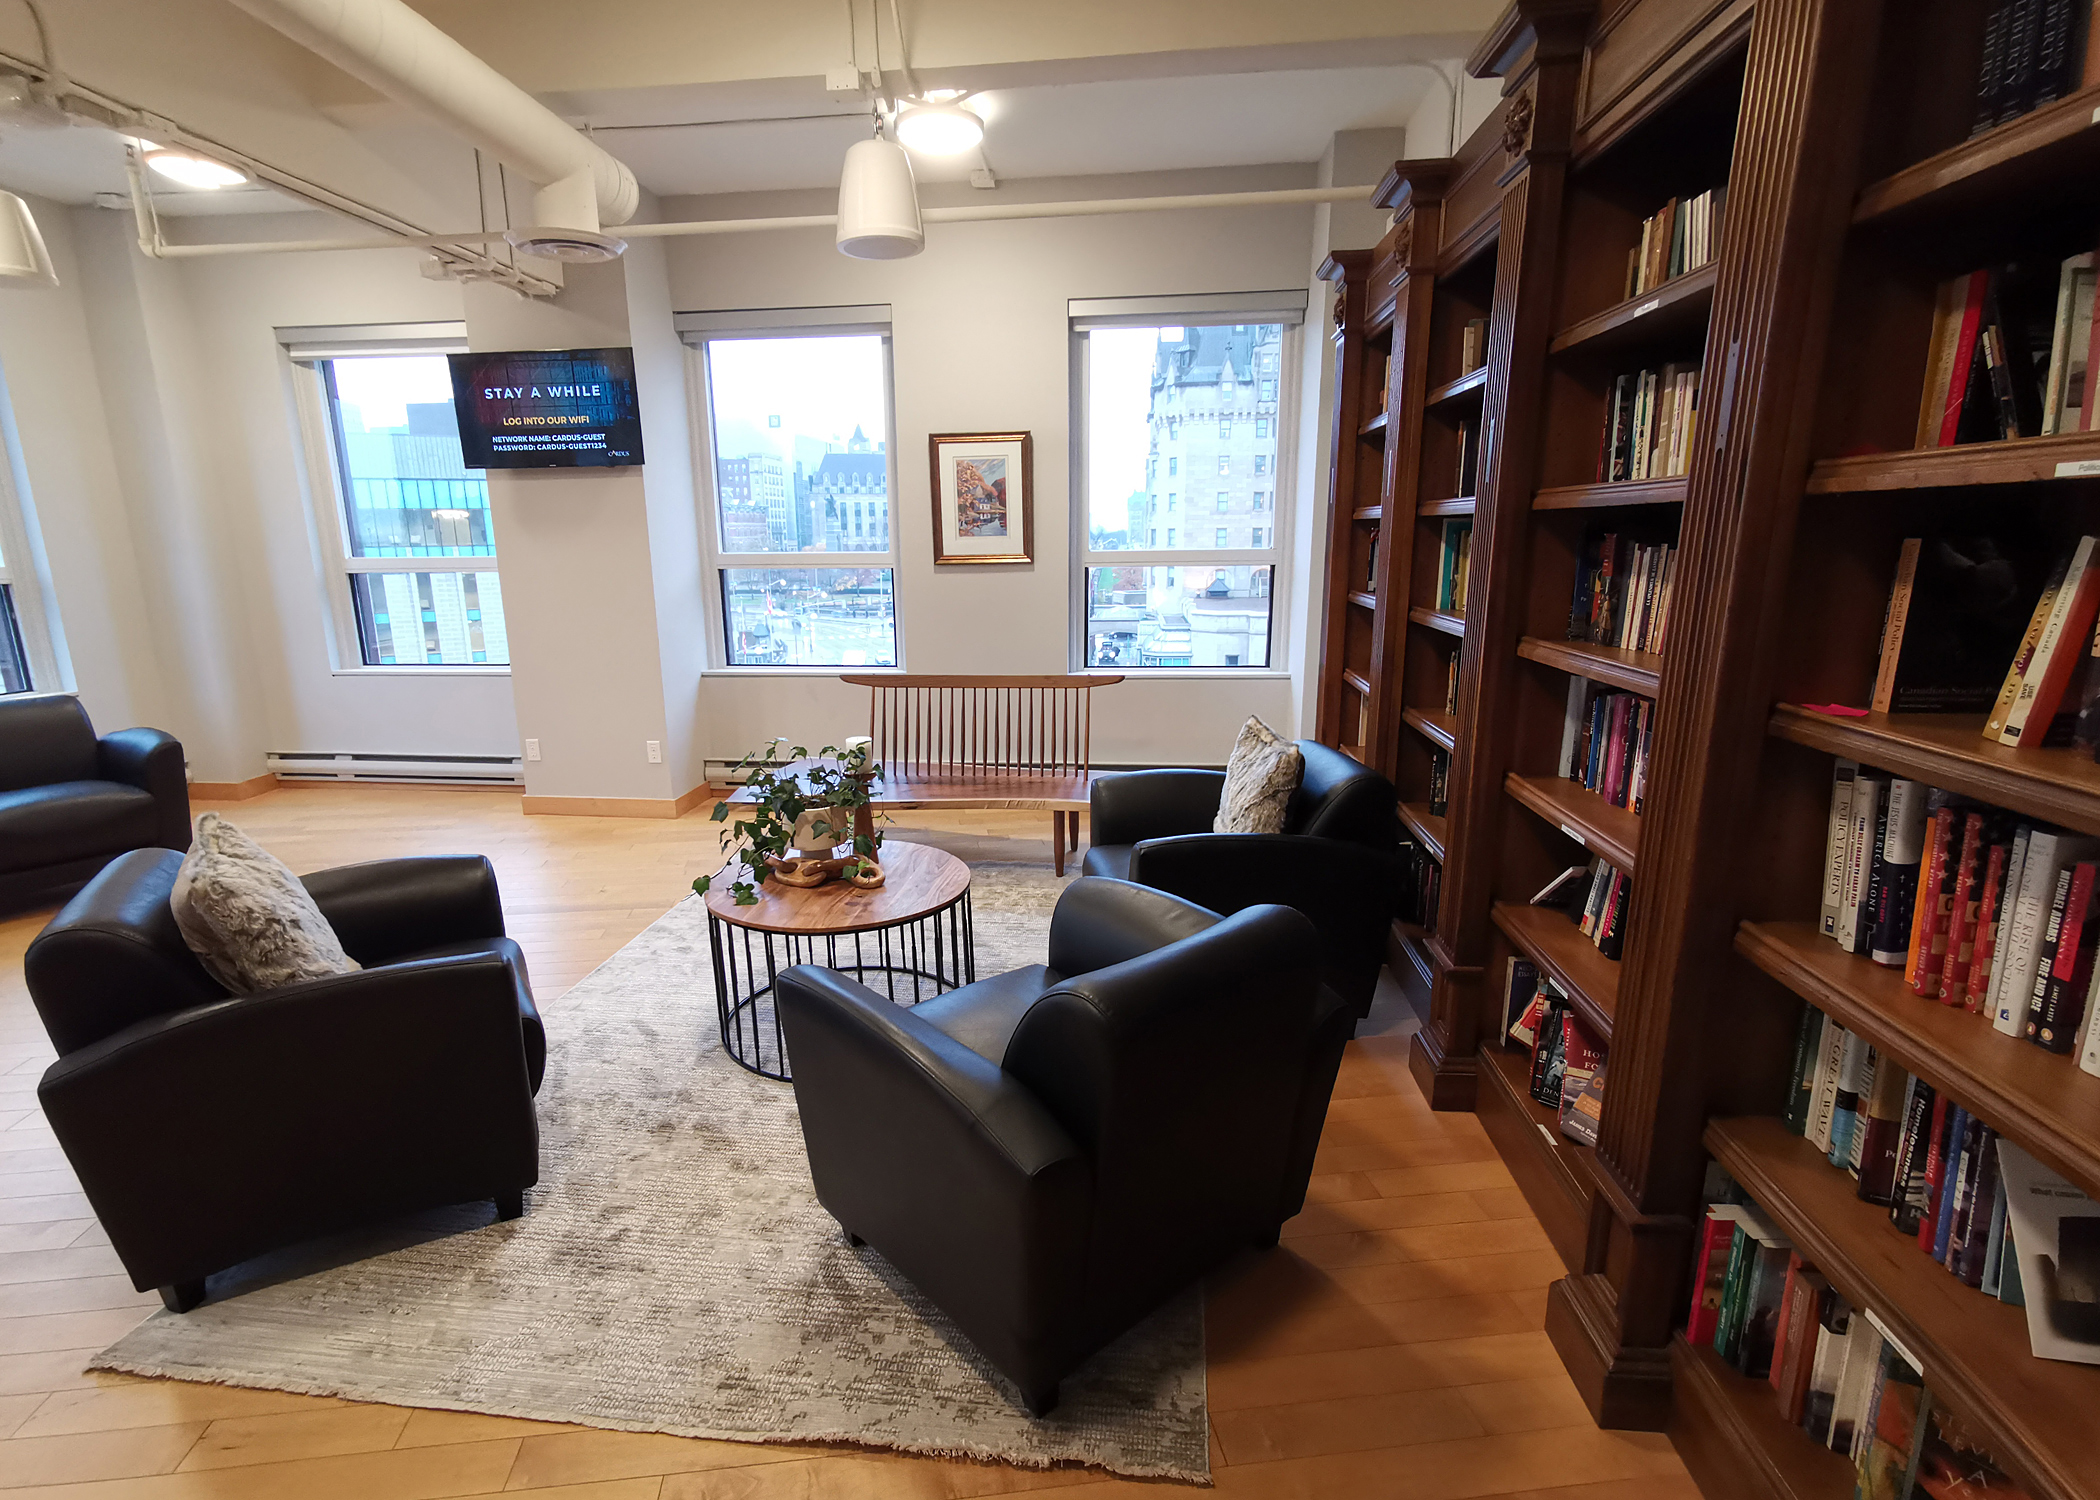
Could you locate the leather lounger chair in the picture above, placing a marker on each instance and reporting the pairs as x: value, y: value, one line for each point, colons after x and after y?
x: 207, y: 1129
x: 1335, y: 860
x: 1051, y: 1154
x: 70, y: 803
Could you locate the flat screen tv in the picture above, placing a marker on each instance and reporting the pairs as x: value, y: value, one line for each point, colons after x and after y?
x: 547, y: 409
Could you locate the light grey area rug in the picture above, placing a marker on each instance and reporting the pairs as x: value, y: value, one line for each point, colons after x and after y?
x: 674, y: 1272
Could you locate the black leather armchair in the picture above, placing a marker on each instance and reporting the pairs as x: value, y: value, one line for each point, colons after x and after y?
x: 1334, y: 861
x: 69, y: 802
x: 207, y: 1129
x: 1050, y: 1154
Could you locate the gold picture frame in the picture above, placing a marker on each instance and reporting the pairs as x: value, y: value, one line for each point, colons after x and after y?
x: 983, y: 496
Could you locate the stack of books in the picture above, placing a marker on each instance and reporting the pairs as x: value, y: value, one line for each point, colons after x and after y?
x: 1622, y: 592
x: 1604, y: 742
x: 1439, y: 782
x: 1678, y: 237
x: 1423, y: 877
x: 1982, y: 910
x: 2011, y: 348
x: 2034, y: 51
x: 1451, y: 686
x: 1835, y: 1369
x: 1595, y: 898
x: 1567, y: 1061
x: 1473, y: 345
x: 1649, y: 419
x: 1454, y: 567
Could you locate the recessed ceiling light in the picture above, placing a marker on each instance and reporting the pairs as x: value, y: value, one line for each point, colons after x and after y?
x: 939, y: 129
x: 190, y: 168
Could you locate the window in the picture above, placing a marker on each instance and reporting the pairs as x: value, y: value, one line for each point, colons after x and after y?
x: 14, y: 656
x: 799, y: 427
x: 402, y: 500
x: 1204, y: 598
x: 1268, y: 391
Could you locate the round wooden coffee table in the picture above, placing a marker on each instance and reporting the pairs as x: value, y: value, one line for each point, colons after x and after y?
x: 910, y: 940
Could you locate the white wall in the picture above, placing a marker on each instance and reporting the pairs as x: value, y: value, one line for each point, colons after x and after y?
x: 981, y: 343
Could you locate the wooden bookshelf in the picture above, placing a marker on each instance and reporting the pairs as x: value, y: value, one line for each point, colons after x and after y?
x: 1670, y: 311
x: 1633, y: 671
x: 2050, y: 153
x: 1457, y: 505
x: 2035, y: 1414
x: 1553, y: 942
x: 1668, y: 491
x: 1441, y: 730
x: 1949, y: 750
x: 2071, y: 458
x: 1733, y: 1439
x: 2041, y: 1099
x: 1550, y: 1169
x: 1426, y: 826
x: 1437, y: 619
x: 1466, y: 387
x: 1368, y: 513
x: 1612, y: 833
x: 1373, y: 430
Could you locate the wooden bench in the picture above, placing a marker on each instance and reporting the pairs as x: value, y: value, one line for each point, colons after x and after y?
x: 978, y: 742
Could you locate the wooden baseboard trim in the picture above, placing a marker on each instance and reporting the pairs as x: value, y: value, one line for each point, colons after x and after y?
x: 233, y: 791
x: 618, y: 807
x: 1623, y: 1387
x: 1448, y: 1082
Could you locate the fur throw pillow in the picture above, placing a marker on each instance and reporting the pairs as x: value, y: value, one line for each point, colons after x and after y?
x: 1259, y: 780
x: 246, y: 917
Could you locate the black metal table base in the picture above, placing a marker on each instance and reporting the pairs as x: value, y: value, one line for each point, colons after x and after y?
x: 906, y: 963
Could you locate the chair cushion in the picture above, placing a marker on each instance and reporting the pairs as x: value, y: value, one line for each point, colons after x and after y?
x: 44, y: 738
x: 982, y: 1016
x: 246, y: 917
x: 63, y: 821
x: 1259, y: 780
x: 528, y: 1013
x: 1111, y: 860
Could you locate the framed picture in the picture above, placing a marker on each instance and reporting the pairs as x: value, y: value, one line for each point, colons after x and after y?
x: 983, y: 497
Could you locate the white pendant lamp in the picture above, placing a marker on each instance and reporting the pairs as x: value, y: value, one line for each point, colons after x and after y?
x: 23, y: 260
x: 879, y: 203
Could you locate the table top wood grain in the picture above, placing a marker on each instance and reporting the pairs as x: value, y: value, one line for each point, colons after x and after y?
x: 918, y: 880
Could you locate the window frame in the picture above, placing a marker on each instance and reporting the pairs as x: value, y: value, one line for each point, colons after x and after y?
x: 698, y: 330
x: 22, y: 567
x: 305, y: 351
x: 1284, y: 308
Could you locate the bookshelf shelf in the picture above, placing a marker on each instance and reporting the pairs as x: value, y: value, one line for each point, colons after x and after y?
x: 1466, y: 388
x: 2070, y: 456
x: 1373, y: 430
x: 2047, y: 152
x: 1368, y: 513
x: 1364, y: 601
x: 1612, y: 832
x: 2041, y: 1100
x: 1356, y: 681
x: 1673, y: 310
x: 1424, y: 825
x: 1435, y: 619
x: 1570, y: 960
x: 1439, y: 729
x: 2036, y: 1415
x: 1635, y: 671
x: 1625, y: 492
x: 1949, y: 750
x: 1739, y: 1431
x: 1548, y: 1166
x: 1462, y: 505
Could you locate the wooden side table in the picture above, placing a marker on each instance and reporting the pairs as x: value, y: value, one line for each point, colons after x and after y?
x: 911, y: 939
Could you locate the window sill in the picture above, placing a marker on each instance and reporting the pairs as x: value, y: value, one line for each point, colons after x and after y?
x: 797, y: 671
x: 424, y: 671
x: 1193, y: 674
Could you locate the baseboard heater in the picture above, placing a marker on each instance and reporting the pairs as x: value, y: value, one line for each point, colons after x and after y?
x: 437, y: 770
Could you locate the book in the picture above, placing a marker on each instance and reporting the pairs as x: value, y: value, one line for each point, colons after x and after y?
x: 2053, y: 1232
x: 2037, y: 620
x: 1994, y: 1254
x: 1473, y: 345
x: 1742, y: 1245
x: 1801, y: 1089
x: 1878, y: 1131
x: 1824, y: 1109
x: 1869, y: 796
x: 1838, y: 842
x: 1862, y: 1353
x: 1935, y: 923
x: 1954, y: 1166
x: 1794, y: 1361
x: 1973, y: 1252
x: 1548, y: 1059
x: 1765, y: 1281
x: 2064, y: 634
x: 1910, y: 1194
x: 1945, y: 1115
x: 1932, y: 869
x: 2001, y: 941
x: 1520, y: 996
x: 1710, y: 1272
x: 2049, y: 854
x: 2064, y: 388
x: 1833, y: 1325
x: 1891, y: 1433
x: 1894, y: 884
x: 1955, y: 617
x: 2063, y: 984
x: 1582, y: 1059
x: 1853, y: 1065
x: 1989, y: 910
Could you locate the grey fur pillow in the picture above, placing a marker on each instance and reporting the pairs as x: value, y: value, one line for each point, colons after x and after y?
x: 1259, y: 779
x: 246, y: 917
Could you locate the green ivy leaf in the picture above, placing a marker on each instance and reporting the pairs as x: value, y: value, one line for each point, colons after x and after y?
x: 700, y: 886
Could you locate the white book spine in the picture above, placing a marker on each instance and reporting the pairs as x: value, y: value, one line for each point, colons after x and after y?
x: 1867, y: 792
x: 2048, y: 856
x: 2047, y: 646
x: 1571, y: 727
x: 1839, y: 843
x: 2001, y: 944
x: 2088, y: 1052
x: 1825, y: 1104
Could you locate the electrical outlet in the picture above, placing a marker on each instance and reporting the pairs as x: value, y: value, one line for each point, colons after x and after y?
x: 532, y: 749
x: 656, y: 751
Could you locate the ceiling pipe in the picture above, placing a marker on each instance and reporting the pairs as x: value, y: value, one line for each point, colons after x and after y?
x: 966, y: 214
x: 582, y: 187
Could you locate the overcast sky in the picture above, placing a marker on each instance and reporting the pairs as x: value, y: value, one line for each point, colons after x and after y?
x: 820, y: 388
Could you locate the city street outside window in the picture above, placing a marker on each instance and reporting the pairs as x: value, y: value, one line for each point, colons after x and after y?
x: 406, y: 505
x: 799, y: 428
x: 1202, y: 600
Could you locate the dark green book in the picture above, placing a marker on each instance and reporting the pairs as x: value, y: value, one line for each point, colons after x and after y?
x: 1808, y: 1047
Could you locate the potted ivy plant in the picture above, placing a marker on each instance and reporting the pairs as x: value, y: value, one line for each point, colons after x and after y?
x: 827, y: 801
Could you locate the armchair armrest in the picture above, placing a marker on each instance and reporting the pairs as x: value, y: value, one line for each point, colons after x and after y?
x: 204, y: 1136
x: 394, y: 906
x: 151, y: 761
x: 946, y: 1164
x: 1350, y: 892
x: 1138, y: 805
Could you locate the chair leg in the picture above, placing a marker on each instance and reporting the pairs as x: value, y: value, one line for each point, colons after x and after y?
x: 1057, y: 841
x: 510, y: 1205
x: 182, y: 1296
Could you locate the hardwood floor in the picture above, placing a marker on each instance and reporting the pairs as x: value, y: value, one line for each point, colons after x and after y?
x: 1392, y: 1345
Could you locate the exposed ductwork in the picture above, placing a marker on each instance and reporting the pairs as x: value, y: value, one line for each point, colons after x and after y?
x: 582, y: 188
